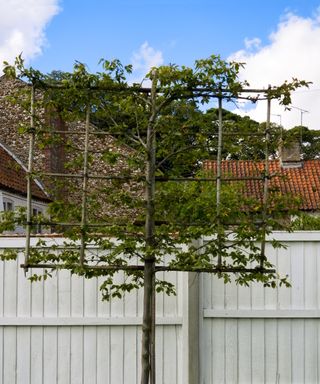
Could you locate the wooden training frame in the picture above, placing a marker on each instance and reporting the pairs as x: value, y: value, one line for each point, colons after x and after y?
x: 86, y: 175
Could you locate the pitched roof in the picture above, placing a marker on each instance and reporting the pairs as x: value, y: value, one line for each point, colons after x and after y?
x: 13, y: 176
x: 303, y: 182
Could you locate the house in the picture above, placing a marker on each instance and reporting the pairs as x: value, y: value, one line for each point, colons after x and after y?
x: 289, y: 175
x: 13, y: 186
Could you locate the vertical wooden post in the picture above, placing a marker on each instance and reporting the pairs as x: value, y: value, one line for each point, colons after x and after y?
x: 85, y: 186
x: 190, y: 328
x: 218, y: 185
x: 29, y: 177
x: 266, y: 181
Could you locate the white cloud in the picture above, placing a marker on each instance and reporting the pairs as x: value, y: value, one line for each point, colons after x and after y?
x: 22, y: 25
x: 144, y: 59
x: 254, y: 43
x: 292, y: 51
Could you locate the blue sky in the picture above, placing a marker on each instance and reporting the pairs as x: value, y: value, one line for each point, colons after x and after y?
x: 182, y: 30
x: 277, y: 38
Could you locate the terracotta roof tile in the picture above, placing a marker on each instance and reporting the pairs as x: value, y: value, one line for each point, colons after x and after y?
x: 303, y: 182
x: 13, y: 177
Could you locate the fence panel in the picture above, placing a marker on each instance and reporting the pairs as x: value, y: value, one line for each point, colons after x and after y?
x: 265, y: 335
x: 59, y: 331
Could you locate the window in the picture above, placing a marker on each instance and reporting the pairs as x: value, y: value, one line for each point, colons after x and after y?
x: 36, y: 213
x: 7, y: 204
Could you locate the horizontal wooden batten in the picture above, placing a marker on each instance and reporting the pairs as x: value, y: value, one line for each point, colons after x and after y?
x: 82, y: 321
x: 262, y: 314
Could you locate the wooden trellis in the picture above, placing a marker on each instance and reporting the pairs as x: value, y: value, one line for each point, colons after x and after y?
x: 85, y: 175
x: 84, y: 224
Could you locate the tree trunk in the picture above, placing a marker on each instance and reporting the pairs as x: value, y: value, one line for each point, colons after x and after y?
x: 147, y: 353
x: 147, y: 323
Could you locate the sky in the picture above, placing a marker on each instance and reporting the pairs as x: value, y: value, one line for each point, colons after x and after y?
x: 277, y: 39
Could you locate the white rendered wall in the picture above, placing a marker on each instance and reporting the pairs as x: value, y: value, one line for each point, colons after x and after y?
x: 20, y: 201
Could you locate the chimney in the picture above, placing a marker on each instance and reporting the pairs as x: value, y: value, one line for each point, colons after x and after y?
x: 290, y: 155
x: 55, y: 155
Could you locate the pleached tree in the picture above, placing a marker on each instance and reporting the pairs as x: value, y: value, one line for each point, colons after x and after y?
x: 132, y: 182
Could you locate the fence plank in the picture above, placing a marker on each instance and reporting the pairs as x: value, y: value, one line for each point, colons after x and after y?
x: 9, y: 358
x: 77, y: 296
x: 258, y: 351
x: 23, y: 293
x: 64, y: 361
x: 284, y: 351
x: 37, y: 298
x: 36, y: 347
x: 170, y: 303
x: 10, y: 289
x: 231, y: 351
x: 218, y: 351
x: 271, y: 351
x: 130, y: 355
x: 297, y: 357
x: 64, y: 294
x: 116, y: 355
x: 170, y: 355
x: 244, y: 351
x: 310, y: 277
x: 284, y: 268
x: 23, y: 355
x: 271, y: 294
x: 90, y: 299
x: 103, y: 355
x: 311, y: 351
x: 90, y: 355
x: 77, y: 355
x: 50, y: 353
x: 103, y: 307
x: 297, y: 276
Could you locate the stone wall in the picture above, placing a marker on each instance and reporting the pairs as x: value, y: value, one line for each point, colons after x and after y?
x: 58, y: 156
x: 13, y: 117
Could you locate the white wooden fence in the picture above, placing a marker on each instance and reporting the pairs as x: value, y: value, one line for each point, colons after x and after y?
x: 59, y: 331
x: 255, y: 335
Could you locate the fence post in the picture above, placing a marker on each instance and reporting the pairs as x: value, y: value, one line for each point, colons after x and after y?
x: 190, y: 328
